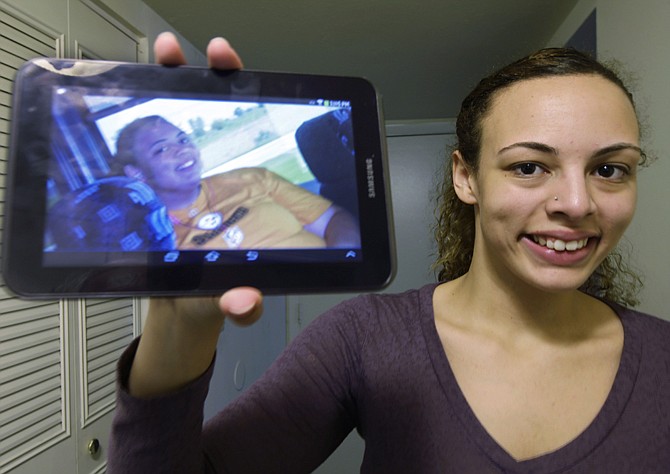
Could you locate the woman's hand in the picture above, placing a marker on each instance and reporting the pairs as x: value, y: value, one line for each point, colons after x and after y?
x: 242, y: 305
x: 180, y: 338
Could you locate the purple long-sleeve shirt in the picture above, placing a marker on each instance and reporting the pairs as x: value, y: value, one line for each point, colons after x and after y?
x: 376, y: 364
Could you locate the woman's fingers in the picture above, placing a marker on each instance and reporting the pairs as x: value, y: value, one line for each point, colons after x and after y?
x: 167, y: 50
x: 243, y: 305
x: 220, y: 55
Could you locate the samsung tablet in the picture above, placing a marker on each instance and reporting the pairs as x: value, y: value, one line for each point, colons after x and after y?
x: 127, y: 179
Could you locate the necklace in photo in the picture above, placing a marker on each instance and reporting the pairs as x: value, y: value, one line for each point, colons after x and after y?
x: 207, y: 221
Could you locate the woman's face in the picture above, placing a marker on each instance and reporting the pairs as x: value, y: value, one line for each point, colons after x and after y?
x: 166, y: 158
x: 556, y: 185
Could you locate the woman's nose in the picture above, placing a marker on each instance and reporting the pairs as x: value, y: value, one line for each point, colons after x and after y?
x: 178, y: 150
x: 571, y: 197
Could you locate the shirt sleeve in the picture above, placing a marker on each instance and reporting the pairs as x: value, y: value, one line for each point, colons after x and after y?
x: 304, y: 205
x: 160, y: 435
x: 290, y: 420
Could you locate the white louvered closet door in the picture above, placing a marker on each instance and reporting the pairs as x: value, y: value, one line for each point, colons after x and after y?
x: 35, y: 404
x: 57, y: 358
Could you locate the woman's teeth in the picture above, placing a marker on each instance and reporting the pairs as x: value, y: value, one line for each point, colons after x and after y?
x: 561, y: 245
x: 183, y: 166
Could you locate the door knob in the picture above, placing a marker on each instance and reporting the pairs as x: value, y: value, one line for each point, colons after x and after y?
x: 93, y: 447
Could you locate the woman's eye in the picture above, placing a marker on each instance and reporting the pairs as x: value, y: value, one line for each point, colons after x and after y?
x: 610, y: 171
x: 528, y: 169
x: 159, y: 150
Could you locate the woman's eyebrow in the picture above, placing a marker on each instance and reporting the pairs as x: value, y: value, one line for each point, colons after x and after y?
x: 617, y: 147
x: 544, y: 148
x: 537, y: 146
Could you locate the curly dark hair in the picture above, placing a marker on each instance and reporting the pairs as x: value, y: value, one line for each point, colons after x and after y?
x: 614, y: 279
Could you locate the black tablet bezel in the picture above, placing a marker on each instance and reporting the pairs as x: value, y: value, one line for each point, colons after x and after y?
x: 28, y: 166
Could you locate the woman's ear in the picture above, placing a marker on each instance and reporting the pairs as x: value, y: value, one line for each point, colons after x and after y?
x: 133, y: 172
x: 464, y: 180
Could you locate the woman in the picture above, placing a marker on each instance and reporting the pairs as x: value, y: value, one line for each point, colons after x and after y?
x: 243, y: 208
x: 510, y: 364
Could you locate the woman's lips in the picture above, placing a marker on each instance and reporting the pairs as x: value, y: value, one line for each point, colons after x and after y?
x: 567, y: 251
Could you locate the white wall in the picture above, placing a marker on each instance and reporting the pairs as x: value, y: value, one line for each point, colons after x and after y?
x: 637, y: 35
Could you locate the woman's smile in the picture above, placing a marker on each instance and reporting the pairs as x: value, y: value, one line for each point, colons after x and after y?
x: 560, y: 245
x: 187, y: 165
x: 560, y: 252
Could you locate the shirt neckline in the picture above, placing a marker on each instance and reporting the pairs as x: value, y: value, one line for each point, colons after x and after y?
x: 562, y: 458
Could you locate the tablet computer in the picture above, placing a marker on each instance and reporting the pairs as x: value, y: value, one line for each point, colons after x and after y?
x: 127, y: 179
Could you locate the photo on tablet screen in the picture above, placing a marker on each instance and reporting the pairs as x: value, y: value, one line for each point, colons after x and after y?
x: 135, y: 173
